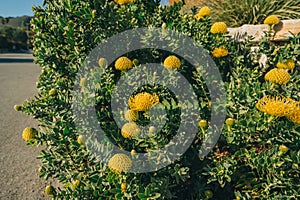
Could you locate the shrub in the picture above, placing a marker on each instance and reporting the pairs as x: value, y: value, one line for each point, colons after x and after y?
x: 247, y: 162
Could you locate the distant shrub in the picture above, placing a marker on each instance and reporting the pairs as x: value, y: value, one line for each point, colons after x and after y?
x: 13, y: 38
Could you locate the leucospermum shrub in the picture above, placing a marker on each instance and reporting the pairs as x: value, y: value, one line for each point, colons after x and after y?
x: 257, y: 155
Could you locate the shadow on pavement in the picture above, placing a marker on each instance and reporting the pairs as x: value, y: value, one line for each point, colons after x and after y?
x: 16, y: 60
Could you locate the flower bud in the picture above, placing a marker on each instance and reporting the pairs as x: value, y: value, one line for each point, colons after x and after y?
x: 75, y: 184
x: 49, y: 190
x: 152, y: 129
x: 52, y: 92
x: 102, y: 62
x: 80, y: 139
x: 229, y: 122
x: 133, y: 152
x: 17, y: 107
x: 283, y: 148
x: 208, y: 194
x: 83, y: 82
x: 203, y: 123
x: 123, y: 187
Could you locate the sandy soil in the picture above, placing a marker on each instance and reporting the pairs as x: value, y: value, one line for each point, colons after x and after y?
x: 18, y: 163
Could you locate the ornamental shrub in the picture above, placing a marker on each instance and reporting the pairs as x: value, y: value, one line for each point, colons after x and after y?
x: 248, y: 161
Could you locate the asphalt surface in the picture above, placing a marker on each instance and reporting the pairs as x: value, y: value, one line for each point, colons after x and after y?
x: 18, y: 164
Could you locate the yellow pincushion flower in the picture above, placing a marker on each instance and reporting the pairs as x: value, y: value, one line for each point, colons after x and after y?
x: 276, y: 106
x: 288, y: 64
x: 272, y: 19
x: 123, y: 63
x: 172, y: 62
x: 294, y: 114
x: 130, y: 130
x: 279, y: 76
x: 121, y: 2
x: 220, y: 52
x: 203, y: 12
x: 218, y: 27
x: 143, y: 101
x: 119, y: 163
x: 29, y: 133
x: 131, y: 115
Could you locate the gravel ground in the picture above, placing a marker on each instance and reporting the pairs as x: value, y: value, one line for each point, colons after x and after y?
x: 18, y: 163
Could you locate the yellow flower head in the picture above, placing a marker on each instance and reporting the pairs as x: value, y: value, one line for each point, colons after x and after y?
x: 220, y: 52
x: 218, y: 27
x: 131, y: 115
x: 276, y: 106
x: 121, y: 2
x: 119, y: 163
x: 203, y: 12
x: 294, y: 114
x: 123, y: 63
x: 130, y: 130
x: 172, y: 62
x: 143, y: 101
x: 272, y: 19
x: 288, y: 64
x: 102, y: 62
x: 29, y: 133
x: 279, y: 76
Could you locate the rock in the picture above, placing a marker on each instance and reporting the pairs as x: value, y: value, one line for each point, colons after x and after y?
x: 283, y: 30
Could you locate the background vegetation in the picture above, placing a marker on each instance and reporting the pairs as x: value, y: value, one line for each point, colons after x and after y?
x: 14, y: 33
x: 236, y: 13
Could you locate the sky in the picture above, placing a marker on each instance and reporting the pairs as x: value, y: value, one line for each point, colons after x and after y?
x: 13, y: 8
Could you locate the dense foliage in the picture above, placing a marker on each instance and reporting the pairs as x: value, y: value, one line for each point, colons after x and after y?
x: 257, y: 155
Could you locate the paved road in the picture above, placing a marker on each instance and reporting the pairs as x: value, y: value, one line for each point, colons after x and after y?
x: 18, y: 164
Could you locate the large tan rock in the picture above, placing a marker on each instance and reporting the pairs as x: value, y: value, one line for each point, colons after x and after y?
x: 283, y: 30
